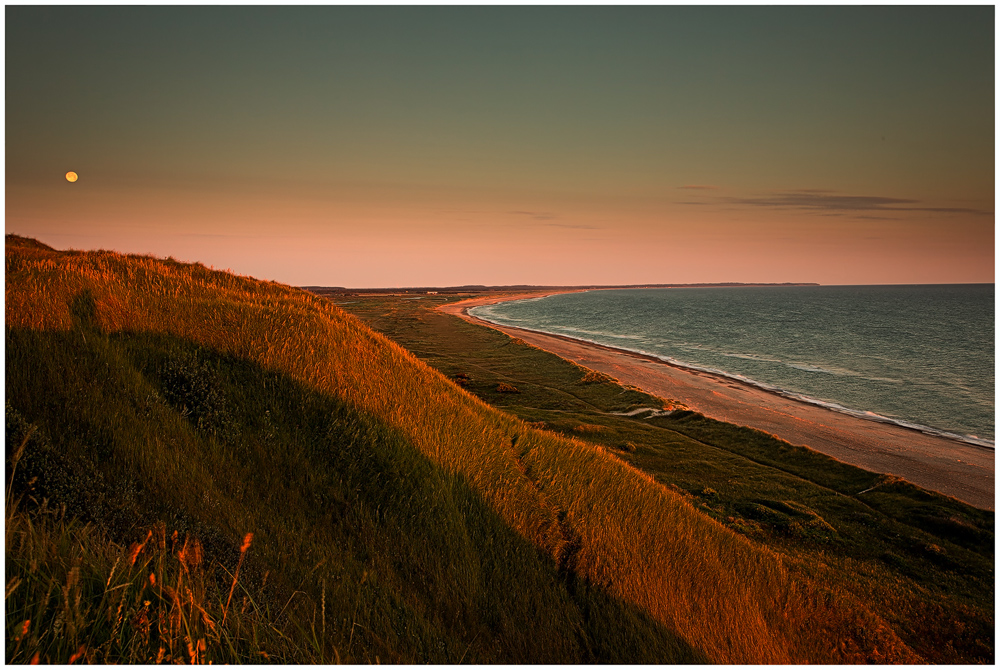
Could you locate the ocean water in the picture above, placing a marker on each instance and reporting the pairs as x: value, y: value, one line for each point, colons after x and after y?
x: 921, y: 356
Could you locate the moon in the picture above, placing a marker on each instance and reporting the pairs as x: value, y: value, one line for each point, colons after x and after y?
x: 71, y: 176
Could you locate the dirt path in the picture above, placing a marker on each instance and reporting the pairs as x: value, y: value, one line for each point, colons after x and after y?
x: 940, y: 464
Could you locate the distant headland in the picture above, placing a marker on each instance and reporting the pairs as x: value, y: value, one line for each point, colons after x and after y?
x: 479, y: 288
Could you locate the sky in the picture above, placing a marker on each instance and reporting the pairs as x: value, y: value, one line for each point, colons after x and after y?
x: 443, y: 146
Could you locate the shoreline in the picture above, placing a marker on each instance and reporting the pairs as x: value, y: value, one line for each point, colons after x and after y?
x: 940, y: 463
x: 723, y: 376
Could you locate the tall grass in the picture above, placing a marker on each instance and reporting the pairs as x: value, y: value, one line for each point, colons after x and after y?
x: 71, y: 595
x: 74, y: 596
x: 920, y: 561
x: 366, y: 549
x: 600, y: 521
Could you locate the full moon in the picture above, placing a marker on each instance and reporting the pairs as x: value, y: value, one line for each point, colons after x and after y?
x: 71, y: 176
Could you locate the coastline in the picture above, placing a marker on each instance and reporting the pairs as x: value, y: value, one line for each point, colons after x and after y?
x: 947, y: 465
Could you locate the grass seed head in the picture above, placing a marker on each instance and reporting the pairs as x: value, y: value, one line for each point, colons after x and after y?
x: 24, y: 630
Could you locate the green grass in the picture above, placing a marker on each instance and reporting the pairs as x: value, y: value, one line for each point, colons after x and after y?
x: 922, y: 561
x: 395, y: 516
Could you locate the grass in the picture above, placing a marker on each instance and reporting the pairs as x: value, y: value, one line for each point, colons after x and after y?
x: 396, y: 517
x: 923, y: 562
x: 405, y: 562
x: 79, y: 597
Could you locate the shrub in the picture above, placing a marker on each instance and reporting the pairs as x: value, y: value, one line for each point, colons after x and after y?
x: 594, y: 377
x: 192, y: 386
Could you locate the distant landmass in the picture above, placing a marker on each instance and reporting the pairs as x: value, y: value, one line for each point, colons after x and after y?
x: 479, y: 288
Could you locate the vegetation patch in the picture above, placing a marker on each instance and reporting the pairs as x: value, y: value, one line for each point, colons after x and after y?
x: 594, y: 377
x: 869, y: 543
x: 192, y: 387
x: 589, y: 428
x: 399, y: 518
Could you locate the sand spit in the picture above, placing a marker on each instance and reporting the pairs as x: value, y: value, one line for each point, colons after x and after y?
x: 958, y: 469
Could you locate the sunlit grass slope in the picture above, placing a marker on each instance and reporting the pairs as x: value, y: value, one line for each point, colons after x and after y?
x: 394, y: 516
x: 919, y: 560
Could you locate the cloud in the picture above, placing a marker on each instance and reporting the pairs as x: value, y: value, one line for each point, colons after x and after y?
x: 549, y: 219
x: 577, y: 226
x: 822, y: 201
x: 833, y: 203
x: 539, y: 216
x: 699, y: 187
x: 955, y: 210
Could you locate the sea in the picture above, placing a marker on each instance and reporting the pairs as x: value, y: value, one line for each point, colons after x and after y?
x: 919, y: 356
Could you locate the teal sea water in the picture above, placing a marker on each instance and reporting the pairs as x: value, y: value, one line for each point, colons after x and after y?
x: 920, y: 356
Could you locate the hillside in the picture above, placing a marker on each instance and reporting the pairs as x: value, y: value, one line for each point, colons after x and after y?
x: 919, y: 560
x: 394, y: 516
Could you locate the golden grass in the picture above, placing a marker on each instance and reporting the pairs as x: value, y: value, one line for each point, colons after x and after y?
x: 151, y: 607
x: 595, y: 515
x: 594, y: 377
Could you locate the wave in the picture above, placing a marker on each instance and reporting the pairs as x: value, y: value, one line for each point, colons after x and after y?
x: 807, y: 367
x: 771, y: 388
x: 480, y: 310
x: 813, y: 368
x: 596, y: 332
x: 750, y: 357
x: 483, y: 311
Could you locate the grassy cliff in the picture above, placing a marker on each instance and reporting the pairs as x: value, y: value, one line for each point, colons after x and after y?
x: 209, y: 467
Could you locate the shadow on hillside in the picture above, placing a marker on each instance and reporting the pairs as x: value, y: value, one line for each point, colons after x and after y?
x: 406, y: 562
x: 83, y: 310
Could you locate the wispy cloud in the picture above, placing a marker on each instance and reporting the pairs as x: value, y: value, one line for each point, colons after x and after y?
x: 551, y: 219
x: 577, y: 226
x: 822, y: 201
x: 539, y: 216
x: 699, y: 187
x: 833, y: 203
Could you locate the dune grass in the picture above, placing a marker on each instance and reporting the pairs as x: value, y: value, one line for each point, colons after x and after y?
x: 395, y: 516
x: 81, y: 598
x: 366, y: 550
x: 921, y: 561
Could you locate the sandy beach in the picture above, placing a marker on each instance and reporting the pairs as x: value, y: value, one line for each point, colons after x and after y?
x: 954, y: 468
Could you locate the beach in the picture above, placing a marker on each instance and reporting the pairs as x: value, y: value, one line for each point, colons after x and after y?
x: 958, y: 469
